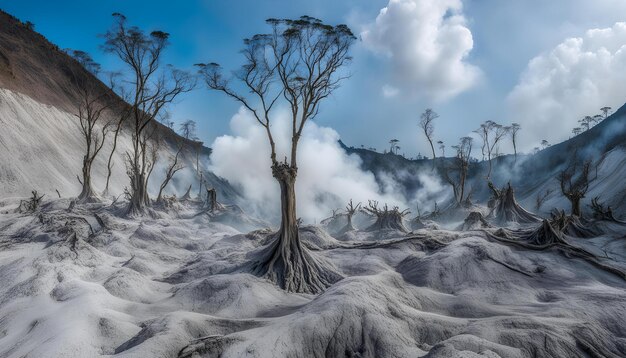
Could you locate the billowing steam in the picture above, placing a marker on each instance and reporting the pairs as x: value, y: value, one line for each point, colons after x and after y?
x: 327, y: 176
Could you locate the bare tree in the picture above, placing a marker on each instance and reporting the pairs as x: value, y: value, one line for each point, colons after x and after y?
x: 602, y: 212
x: 541, y: 198
x: 575, y: 180
x: 393, y: 146
x: 94, y: 100
x: 545, y: 144
x: 171, y: 170
x: 299, y: 61
x: 605, y: 111
x: 188, y: 129
x: 197, y: 147
x: 515, y: 127
x: 586, y: 122
x: 491, y: 134
x: 32, y: 204
x: 442, y: 148
x: 456, y: 174
x: 597, y: 119
x: 426, y: 123
x: 386, y: 218
x: 576, y: 131
x: 166, y: 120
x: 151, y: 89
x: 351, y: 209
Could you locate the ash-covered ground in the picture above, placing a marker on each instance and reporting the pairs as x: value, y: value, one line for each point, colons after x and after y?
x: 86, y: 282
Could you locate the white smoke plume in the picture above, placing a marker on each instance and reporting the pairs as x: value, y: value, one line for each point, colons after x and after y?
x: 327, y: 176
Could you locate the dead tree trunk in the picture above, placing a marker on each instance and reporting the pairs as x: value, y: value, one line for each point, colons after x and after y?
x: 602, y: 213
x: 351, y: 209
x: 506, y: 209
x: 87, y: 192
x: 150, y: 90
x: 170, y: 172
x: 211, y: 199
x: 573, y: 225
x: 574, y: 184
x: 110, y: 161
x: 387, y: 218
x: 285, y: 261
x: 187, y: 194
x: 138, y: 188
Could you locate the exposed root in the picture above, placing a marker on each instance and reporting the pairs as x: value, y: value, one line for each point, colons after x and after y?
x: 293, y: 267
x: 546, y: 237
x: 573, y: 225
x: 187, y: 195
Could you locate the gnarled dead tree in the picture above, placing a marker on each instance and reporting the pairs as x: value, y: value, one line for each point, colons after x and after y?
x: 124, y: 112
x: 427, y: 126
x: 351, y: 209
x: 456, y: 173
x: 94, y: 100
x: 491, y: 134
x: 504, y: 207
x: 600, y: 212
x: 211, y: 202
x: 151, y: 89
x: 171, y: 170
x: 572, y: 225
x: 575, y: 180
x: 541, y: 198
x: 299, y: 62
x: 32, y: 204
x: 386, y: 218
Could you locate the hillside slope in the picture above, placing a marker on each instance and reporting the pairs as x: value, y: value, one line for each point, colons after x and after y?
x: 40, y: 143
x: 531, y: 175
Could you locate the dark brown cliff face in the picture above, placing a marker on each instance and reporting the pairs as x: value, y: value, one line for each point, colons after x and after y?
x: 32, y: 65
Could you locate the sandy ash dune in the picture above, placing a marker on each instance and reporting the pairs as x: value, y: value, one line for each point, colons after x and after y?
x: 88, y: 283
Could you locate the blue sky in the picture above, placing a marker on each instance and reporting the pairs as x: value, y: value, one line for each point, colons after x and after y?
x: 493, y: 41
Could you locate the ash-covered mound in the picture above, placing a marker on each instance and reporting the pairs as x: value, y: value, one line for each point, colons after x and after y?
x: 171, y: 287
x: 316, y: 238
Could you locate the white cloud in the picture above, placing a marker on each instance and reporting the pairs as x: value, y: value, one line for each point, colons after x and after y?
x: 390, y: 91
x: 327, y: 177
x: 427, y: 43
x: 573, y: 80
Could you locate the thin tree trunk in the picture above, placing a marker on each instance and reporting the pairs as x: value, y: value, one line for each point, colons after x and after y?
x: 575, y: 201
x: 87, y: 192
x: 139, y: 196
x: 433, y: 150
x: 110, y: 162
